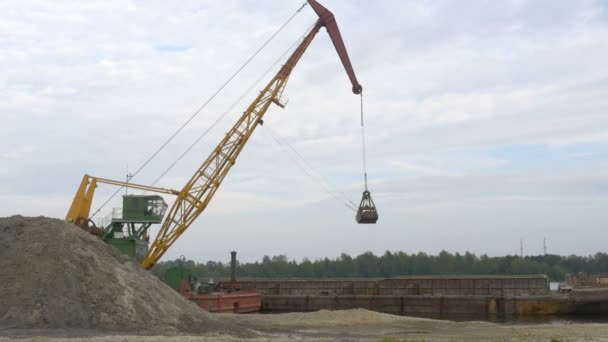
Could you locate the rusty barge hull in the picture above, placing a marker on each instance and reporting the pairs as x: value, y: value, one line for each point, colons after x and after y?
x: 235, y: 302
x: 436, y: 296
x: 439, y: 306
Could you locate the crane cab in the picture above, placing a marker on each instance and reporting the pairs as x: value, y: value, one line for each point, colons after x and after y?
x: 367, y: 212
x: 128, y: 226
x: 143, y: 208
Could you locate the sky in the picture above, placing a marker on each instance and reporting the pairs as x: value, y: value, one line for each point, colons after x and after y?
x: 486, y: 121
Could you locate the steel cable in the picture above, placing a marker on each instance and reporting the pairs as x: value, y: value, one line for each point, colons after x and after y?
x: 229, y: 110
x: 318, y: 178
x: 201, y: 108
x: 363, y: 144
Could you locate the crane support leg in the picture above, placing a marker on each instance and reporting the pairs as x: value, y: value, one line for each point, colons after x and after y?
x: 81, y: 205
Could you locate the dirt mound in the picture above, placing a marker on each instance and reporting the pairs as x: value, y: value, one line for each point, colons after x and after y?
x: 55, y: 275
x: 328, y: 318
x: 338, y: 317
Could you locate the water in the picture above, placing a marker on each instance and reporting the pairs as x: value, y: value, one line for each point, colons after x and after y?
x: 511, y: 320
x: 529, y: 320
x: 558, y: 320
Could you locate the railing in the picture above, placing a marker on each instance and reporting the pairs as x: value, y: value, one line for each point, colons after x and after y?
x: 115, y: 214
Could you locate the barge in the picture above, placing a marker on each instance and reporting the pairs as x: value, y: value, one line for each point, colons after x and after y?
x: 430, y: 296
x: 224, y: 297
x: 221, y: 299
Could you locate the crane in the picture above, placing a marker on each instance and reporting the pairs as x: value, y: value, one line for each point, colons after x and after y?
x: 195, y: 196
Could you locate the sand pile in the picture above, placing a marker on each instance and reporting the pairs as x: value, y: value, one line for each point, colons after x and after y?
x: 330, y: 319
x: 55, y: 275
x: 341, y: 317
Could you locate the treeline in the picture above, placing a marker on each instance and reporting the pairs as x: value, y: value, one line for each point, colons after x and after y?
x: 398, y: 264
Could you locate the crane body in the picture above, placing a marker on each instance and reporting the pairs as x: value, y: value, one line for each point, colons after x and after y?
x: 195, y: 196
x: 200, y: 189
x: 125, y: 228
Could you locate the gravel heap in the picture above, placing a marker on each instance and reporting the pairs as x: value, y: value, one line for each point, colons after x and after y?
x: 55, y: 275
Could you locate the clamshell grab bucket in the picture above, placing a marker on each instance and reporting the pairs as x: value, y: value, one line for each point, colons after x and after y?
x: 367, y: 212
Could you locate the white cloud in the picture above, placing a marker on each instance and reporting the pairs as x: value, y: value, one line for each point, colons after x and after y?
x: 47, y: 205
x: 68, y: 5
x: 468, y: 105
x: 416, y: 169
x: 591, y: 137
x: 15, y: 27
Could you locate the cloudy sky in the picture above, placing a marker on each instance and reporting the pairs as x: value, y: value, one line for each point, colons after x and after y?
x: 487, y: 121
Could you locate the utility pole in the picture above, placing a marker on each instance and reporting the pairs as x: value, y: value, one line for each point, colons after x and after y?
x: 545, y: 245
x: 129, y: 176
x: 521, y: 248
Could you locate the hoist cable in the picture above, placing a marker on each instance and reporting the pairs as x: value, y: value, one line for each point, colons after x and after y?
x: 312, y: 176
x: 363, y: 144
x: 229, y: 110
x: 335, y: 193
x: 318, y: 177
x: 201, y: 107
x: 309, y: 165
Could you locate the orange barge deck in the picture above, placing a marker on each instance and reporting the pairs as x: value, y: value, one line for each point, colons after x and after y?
x: 237, y: 301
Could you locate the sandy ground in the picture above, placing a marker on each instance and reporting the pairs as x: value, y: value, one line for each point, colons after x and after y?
x: 54, y: 276
x: 348, y: 325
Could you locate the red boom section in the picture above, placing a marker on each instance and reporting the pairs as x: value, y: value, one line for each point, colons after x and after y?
x: 328, y: 20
